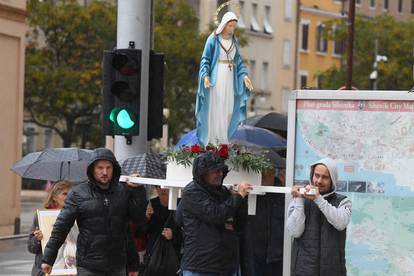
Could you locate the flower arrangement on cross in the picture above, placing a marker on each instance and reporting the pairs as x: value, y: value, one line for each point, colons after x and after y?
x: 237, y: 157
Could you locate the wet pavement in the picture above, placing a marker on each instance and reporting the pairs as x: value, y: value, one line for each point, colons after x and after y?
x: 15, y: 260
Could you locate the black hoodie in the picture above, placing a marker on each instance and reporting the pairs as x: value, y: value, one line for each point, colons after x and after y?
x: 204, y: 212
x: 102, y: 217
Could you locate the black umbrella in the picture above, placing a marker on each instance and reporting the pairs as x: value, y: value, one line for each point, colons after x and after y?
x: 273, y: 121
x: 150, y: 165
x: 55, y: 164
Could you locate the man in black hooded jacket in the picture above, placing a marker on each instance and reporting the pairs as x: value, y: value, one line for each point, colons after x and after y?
x: 101, y: 208
x: 207, y: 213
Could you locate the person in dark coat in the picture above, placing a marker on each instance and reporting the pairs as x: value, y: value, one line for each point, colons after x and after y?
x: 208, y: 214
x: 54, y: 200
x: 262, y: 246
x: 157, y: 215
x: 101, y: 207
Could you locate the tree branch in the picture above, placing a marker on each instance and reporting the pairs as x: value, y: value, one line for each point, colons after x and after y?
x: 37, y: 122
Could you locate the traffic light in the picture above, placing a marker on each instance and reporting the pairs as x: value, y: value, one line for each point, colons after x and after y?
x: 121, y: 92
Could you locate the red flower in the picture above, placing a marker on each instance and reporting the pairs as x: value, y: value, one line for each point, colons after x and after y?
x: 196, y: 148
x: 223, y: 151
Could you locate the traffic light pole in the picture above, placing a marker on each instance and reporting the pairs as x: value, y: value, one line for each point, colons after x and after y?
x: 134, y: 21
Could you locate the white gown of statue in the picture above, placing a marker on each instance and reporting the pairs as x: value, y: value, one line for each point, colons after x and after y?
x: 221, y: 98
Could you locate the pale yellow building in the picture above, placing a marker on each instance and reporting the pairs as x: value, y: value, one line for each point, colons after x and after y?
x: 12, y: 41
x: 317, y: 54
x: 270, y: 27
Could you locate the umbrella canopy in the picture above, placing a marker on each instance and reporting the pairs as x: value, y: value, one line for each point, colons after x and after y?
x: 55, y: 164
x: 257, y: 137
x: 150, y: 165
x: 273, y: 121
x: 276, y: 159
x: 244, y: 135
x: 188, y: 139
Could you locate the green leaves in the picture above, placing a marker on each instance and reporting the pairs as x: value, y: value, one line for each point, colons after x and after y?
x: 235, y: 156
x: 395, y: 40
x: 63, y: 76
x: 176, y: 34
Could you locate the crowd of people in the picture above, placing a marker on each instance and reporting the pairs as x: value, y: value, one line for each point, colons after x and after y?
x: 210, y: 233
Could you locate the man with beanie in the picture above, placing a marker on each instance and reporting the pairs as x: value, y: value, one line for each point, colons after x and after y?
x: 101, y: 208
x: 317, y: 219
x: 208, y: 214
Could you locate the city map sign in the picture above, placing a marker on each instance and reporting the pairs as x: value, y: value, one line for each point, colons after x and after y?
x: 371, y: 136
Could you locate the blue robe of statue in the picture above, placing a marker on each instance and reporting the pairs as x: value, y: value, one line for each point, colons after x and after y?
x: 208, y: 67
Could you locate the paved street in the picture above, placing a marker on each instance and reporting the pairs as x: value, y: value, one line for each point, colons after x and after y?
x: 15, y: 260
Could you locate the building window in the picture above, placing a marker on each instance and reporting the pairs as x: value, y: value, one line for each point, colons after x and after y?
x: 400, y: 6
x: 412, y: 6
x: 386, y: 5
x: 305, y: 36
x: 286, y: 52
x: 303, y: 81
x: 266, y: 23
x: 358, y: 2
x: 339, y: 44
x: 288, y: 9
x: 48, y: 137
x: 254, y: 26
x: 321, y: 41
x: 265, y: 76
x: 372, y: 4
x: 240, y: 21
x: 252, y: 67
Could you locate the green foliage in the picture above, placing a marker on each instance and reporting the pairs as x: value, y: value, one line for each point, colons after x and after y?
x: 249, y: 162
x: 235, y: 156
x: 63, y: 60
x: 395, y: 40
x: 176, y: 35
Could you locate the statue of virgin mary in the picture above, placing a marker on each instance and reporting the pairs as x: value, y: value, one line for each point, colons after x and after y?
x: 223, y: 85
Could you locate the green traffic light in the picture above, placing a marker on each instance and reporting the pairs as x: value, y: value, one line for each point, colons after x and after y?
x: 124, y: 120
x: 113, y: 114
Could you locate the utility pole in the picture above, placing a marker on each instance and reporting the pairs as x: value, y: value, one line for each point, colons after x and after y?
x: 133, y: 24
x: 350, y: 43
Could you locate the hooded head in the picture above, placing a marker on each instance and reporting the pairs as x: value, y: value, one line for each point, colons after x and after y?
x: 328, y: 166
x: 205, y: 165
x: 227, y: 17
x: 107, y: 155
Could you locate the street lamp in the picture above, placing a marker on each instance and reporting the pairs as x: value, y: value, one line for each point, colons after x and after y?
x: 374, y: 74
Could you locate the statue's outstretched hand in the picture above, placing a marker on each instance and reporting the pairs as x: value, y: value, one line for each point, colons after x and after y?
x: 248, y: 83
x: 207, y: 83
